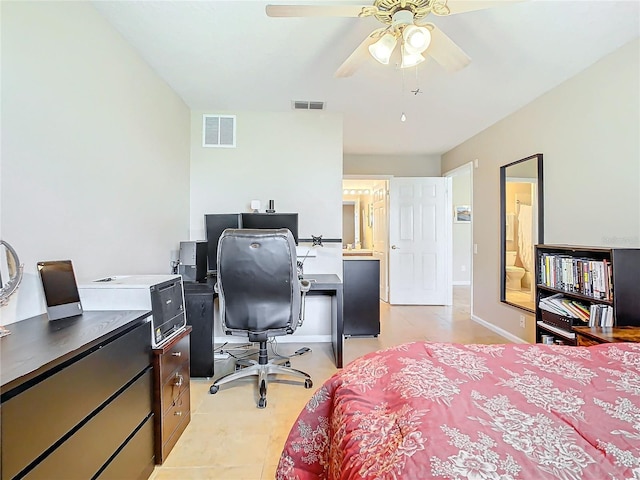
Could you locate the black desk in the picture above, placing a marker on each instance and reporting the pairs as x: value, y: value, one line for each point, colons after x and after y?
x: 330, y: 284
x: 199, y: 304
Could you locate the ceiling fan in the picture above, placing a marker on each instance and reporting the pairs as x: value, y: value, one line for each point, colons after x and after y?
x: 402, y: 21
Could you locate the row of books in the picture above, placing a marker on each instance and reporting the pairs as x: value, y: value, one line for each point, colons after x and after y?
x: 577, y: 275
x: 601, y: 316
x: 594, y: 315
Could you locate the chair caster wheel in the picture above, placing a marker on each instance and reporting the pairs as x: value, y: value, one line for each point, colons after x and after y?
x: 262, y: 403
x: 308, y: 383
x: 287, y: 363
x: 213, y: 389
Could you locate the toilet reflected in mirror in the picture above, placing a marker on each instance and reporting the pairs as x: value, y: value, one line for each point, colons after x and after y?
x: 514, y: 273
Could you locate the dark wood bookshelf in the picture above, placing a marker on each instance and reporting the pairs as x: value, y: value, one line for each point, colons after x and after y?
x: 575, y: 295
x: 622, y: 276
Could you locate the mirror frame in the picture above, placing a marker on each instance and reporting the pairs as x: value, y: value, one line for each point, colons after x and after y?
x: 15, y: 268
x: 503, y: 211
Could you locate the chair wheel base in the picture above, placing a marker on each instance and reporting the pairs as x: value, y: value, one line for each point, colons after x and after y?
x: 308, y: 383
x: 214, y: 389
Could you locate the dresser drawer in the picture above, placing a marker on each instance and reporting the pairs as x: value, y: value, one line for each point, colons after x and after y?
x: 69, y: 395
x: 175, y: 386
x: 91, y: 446
x: 170, y: 442
x: 173, y: 359
x: 135, y: 460
x: 178, y: 410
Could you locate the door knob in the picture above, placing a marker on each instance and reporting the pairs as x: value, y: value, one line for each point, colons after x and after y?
x: 393, y: 247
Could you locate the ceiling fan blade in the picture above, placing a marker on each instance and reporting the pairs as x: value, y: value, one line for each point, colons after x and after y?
x: 444, y: 51
x: 462, y: 6
x: 359, y: 55
x: 318, y: 10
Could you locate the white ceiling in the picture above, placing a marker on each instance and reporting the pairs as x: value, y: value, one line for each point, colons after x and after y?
x: 226, y: 56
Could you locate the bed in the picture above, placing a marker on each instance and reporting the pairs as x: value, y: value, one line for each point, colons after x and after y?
x: 500, y: 412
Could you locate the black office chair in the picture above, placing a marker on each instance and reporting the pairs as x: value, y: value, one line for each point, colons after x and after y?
x: 260, y: 295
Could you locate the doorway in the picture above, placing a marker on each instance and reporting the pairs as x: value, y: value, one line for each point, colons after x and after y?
x: 366, y: 197
x: 462, y: 229
x: 423, y: 262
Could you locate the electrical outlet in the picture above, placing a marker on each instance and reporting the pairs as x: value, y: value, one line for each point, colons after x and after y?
x: 522, y: 321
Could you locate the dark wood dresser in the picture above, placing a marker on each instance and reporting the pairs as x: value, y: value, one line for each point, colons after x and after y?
x: 171, y: 403
x: 594, y: 335
x: 77, y: 397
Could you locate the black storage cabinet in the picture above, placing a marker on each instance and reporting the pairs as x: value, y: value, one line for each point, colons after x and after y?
x: 361, y: 284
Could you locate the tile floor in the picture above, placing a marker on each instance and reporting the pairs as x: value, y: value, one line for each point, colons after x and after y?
x: 230, y: 439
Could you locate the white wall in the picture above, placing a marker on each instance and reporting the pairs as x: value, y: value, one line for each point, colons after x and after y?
x: 293, y: 158
x: 587, y: 130
x: 397, y: 165
x: 95, y: 150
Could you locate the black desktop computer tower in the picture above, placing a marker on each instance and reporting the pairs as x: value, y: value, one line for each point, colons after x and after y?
x: 193, y: 261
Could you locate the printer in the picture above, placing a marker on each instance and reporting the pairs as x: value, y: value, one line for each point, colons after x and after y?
x: 162, y: 294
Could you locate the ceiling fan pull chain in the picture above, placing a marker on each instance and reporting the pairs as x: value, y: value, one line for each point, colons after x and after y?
x: 403, y: 117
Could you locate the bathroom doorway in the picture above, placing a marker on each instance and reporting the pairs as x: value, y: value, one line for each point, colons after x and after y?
x: 365, y: 219
x: 520, y: 230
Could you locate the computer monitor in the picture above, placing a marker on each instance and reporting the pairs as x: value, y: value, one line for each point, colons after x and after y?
x: 272, y: 220
x: 215, y: 224
x: 60, y: 289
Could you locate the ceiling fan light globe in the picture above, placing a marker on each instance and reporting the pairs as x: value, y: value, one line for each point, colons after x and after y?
x: 416, y: 39
x: 410, y: 59
x: 383, y: 48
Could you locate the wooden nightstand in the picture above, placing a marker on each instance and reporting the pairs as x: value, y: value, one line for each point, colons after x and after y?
x: 594, y: 335
x: 171, y: 400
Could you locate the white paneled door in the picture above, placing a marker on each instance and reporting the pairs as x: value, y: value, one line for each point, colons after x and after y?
x: 420, y: 220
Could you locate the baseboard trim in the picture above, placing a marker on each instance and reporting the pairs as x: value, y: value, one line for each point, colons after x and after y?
x: 498, y: 330
x: 461, y: 282
x: 304, y: 338
x: 233, y: 339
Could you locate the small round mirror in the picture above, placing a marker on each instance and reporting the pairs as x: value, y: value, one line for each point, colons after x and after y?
x: 10, y: 272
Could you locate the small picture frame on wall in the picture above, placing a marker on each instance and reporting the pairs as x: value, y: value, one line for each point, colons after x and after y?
x: 462, y: 214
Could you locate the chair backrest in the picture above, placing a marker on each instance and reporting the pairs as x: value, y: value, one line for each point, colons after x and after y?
x: 258, y: 287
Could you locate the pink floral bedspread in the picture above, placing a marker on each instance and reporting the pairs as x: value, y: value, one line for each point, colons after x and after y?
x: 498, y: 412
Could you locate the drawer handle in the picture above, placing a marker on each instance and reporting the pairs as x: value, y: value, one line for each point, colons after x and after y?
x: 179, y: 380
x: 177, y: 354
x: 178, y: 414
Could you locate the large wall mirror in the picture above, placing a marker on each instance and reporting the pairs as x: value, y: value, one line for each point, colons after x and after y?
x: 521, y: 228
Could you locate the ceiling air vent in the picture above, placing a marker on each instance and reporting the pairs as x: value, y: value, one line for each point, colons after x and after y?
x: 219, y: 131
x: 305, y: 105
